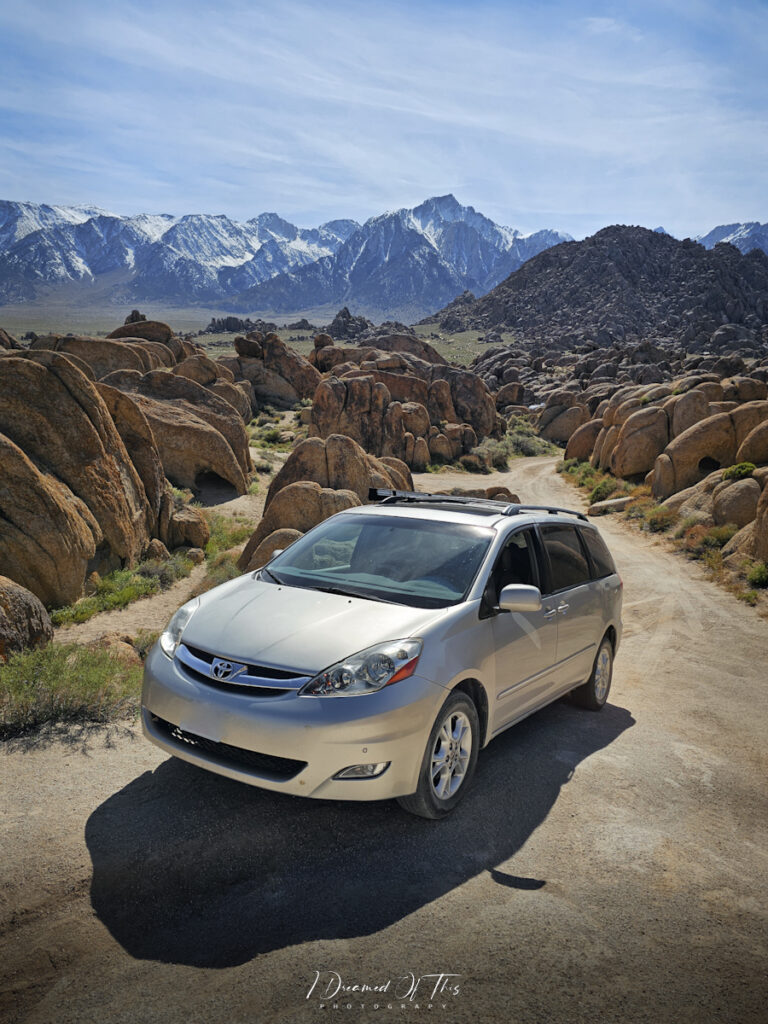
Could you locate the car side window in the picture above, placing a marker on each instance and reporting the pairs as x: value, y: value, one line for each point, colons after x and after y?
x: 601, y: 557
x: 569, y: 566
x: 516, y: 563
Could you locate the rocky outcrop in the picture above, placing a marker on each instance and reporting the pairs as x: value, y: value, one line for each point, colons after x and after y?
x: 55, y: 415
x: 24, y: 622
x: 278, y: 540
x: 102, y: 356
x: 7, y: 341
x: 48, y: 536
x: 136, y: 434
x: 625, y: 283
x: 340, y: 463
x: 277, y: 374
x: 195, y: 430
x: 704, y: 447
x: 148, y: 330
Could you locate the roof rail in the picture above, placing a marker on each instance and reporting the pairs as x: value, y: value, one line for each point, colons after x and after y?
x: 389, y: 497
x: 516, y: 510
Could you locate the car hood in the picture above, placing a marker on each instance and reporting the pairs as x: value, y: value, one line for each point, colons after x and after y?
x: 289, y: 627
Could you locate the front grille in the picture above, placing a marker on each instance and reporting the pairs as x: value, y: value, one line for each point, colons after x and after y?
x: 262, y: 671
x: 241, y: 688
x: 278, y: 768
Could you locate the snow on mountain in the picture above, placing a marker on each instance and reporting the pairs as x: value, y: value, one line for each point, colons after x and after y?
x: 408, y: 260
x: 747, y: 236
x: 405, y: 263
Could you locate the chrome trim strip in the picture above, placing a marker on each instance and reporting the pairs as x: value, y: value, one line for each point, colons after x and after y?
x: 544, y: 672
x: 188, y: 659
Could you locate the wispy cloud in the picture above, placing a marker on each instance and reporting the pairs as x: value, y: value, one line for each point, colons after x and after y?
x: 540, y: 115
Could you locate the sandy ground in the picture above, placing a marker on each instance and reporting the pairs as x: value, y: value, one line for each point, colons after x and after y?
x: 606, y: 867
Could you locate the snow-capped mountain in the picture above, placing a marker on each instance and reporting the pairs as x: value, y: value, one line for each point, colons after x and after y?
x: 407, y: 262
x: 747, y: 236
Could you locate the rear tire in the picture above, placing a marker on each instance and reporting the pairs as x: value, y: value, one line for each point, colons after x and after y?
x: 594, y: 693
x: 449, y: 759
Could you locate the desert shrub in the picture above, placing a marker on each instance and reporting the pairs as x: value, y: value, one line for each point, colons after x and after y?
x: 262, y: 466
x: 116, y: 590
x: 700, y: 539
x: 659, y: 519
x: 603, y: 490
x: 226, y: 533
x: 181, y: 496
x: 523, y: 441
x: 221, y: 568
x: 684, y: 526
x: 739, y: 472
x: 748, y: 597
x: 566, y: 466
x: 144, y: 641
x: 718, y: 536
x: 166, y: 572
x: 586, y: 475
x: 65, y: 683
x: 253, y: 487
x: 639, y: 508
x: 493, y: 452
x: 757, y: 576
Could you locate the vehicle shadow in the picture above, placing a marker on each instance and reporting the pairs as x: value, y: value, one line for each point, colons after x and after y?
x: 193, y: 868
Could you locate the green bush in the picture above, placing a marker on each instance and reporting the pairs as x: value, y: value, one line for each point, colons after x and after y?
x: 658, y: 519
x: 220, y: 569
x: 603, y: 490
x: 523, y: 441
x: 739, y: 472
x: 65, y: 683
x: 226, y: 533
x: 167, y: 572
x: 116, y: 590
x: 718, y: 536
x: 757, y: 576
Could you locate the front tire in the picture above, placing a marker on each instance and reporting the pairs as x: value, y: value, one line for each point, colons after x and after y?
x: 594, y: 693
x: 449, y: 759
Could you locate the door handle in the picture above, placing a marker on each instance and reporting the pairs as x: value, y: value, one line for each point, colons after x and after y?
x: 563, y: 608
x: 550, y: 613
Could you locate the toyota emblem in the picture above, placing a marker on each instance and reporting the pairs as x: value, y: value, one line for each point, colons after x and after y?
x: 221, y: 669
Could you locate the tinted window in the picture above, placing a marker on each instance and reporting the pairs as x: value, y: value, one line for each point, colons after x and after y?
x: 601, y: 556
x: 567, y: 558
x: 516, y: 562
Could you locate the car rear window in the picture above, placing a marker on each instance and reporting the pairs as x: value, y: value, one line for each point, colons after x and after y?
x: 567, y: 558
x: 601, y: 556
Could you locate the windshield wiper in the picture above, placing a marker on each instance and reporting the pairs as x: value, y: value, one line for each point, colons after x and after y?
x: 351, y: 593
x: 268, y: 572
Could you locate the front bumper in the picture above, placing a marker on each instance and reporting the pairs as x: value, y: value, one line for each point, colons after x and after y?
x: 322, y: 735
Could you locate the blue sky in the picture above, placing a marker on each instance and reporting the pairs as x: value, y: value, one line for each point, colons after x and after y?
x: 569, y: 115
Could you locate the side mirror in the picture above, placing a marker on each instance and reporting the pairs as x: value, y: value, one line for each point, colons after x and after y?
x: 276, y: 552
x: 519, y: 598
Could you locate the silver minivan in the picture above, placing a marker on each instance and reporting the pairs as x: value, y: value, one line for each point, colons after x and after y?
x: 375, y: 657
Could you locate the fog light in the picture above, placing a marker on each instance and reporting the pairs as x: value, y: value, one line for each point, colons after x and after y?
x: 363, y: 771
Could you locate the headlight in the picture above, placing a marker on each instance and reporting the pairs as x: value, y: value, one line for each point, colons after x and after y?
x: 366, y: 672
x: 170, y: 638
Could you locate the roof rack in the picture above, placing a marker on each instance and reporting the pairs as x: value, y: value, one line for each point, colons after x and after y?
x: 384, y: 496
x: 553, y: 510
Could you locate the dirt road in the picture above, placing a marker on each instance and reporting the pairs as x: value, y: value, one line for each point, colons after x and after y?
x: 606, y: 867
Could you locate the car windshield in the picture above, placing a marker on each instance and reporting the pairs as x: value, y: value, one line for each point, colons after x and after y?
x: 385, y: 558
